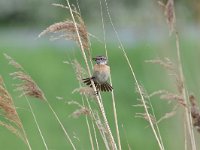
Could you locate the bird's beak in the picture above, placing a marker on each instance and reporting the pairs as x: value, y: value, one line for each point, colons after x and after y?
x: 94, y: 59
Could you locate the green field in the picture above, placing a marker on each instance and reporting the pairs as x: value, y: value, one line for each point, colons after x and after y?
x: 44, y: 63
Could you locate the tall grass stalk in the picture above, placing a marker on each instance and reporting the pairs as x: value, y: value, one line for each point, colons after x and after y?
x: 26, y: 138
x: 184, y: 94
x: 60, y: 123
x: 22, y: 127
x: 36, y: 122
x: 171, y: 20
x: 101, y: 107
x: 113, y: 96
x: 88, y: 125
x: 30, y: 88
x: 135, y: 79
x: 95, y: 134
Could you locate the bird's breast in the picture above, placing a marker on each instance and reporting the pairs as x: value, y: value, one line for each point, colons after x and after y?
x: 101, y: 73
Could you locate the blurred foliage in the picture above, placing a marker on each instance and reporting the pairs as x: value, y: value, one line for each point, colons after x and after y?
x: 36, y: 12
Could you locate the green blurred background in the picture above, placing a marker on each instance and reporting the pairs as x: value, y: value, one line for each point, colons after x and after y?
x: 142, y: 28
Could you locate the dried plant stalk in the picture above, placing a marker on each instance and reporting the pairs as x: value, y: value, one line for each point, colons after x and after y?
x: 69, y: 31
x: 79, y: 70
x: 82, y: 110
x: 30, y: 88
x: 27, y: 86
x: 151, y: 118
x: 8, y: 111
x: 7, y: 106
x: 101, y: 107
x: 170, y: 16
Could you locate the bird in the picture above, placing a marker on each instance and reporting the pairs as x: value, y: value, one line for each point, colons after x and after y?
x: 101, y: 73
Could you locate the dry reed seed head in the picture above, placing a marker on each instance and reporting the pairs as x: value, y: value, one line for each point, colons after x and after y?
x: 166, y: 63
x: 141, y: 90
x: 28, y: 87
x: 179, y: 83
x: 79, y: 70
x: 170, y: 15
x: 81, y: 111
x: 169, y: 65
x: 13, y: 62
x: 141, y: 103
x: 13, y: 130
x: 166, y: 95
x: 8, y: 111
x: 167, y: 116
x: 146, y: 117
x: 88, y: 91
x: 157, y: 93
x: 69, y: 30
x: 195, y: 113
x: 98, y: 122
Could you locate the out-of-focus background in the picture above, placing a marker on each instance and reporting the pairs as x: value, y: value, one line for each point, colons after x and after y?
x: 142, y: 28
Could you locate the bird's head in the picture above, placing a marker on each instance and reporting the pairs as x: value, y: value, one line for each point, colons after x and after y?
x: 101, y: 60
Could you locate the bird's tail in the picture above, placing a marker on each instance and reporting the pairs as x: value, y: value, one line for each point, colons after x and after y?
x: 105, y: 87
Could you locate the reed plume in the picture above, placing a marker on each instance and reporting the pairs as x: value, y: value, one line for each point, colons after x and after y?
x: 8, y: 110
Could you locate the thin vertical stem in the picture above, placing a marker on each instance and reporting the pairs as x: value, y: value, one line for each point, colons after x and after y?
x: 135, y: 79
x: 88, y: 125
x: 38, y: 127
x: 101, y: 107
x: 22, y: 127
x: 113, y: 96
x: 183, y: 92
x: 63, y: 128
x: 26, y: 138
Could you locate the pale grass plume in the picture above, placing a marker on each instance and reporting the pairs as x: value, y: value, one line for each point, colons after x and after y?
x: 148, y: 114
x: 13, y: 62
x: 82, y: 110
x: 12, y: 121
x: 166, y: 95
x: 169, y: 13
x: 180, y: 81
x: 168, y: 65
x: 87, y: 91
x: 28, y: 87
x: 67, y: 30
x: 8, y: 111
x: 80, y: 73
x: 167, y: 116
x: 13, y: 130
x: 146, y: 117
x: 79, y: 70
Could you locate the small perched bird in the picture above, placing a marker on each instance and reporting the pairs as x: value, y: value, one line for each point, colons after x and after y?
x: 100, y: 75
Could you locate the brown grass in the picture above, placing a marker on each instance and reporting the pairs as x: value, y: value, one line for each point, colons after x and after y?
x: 8, y: 111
